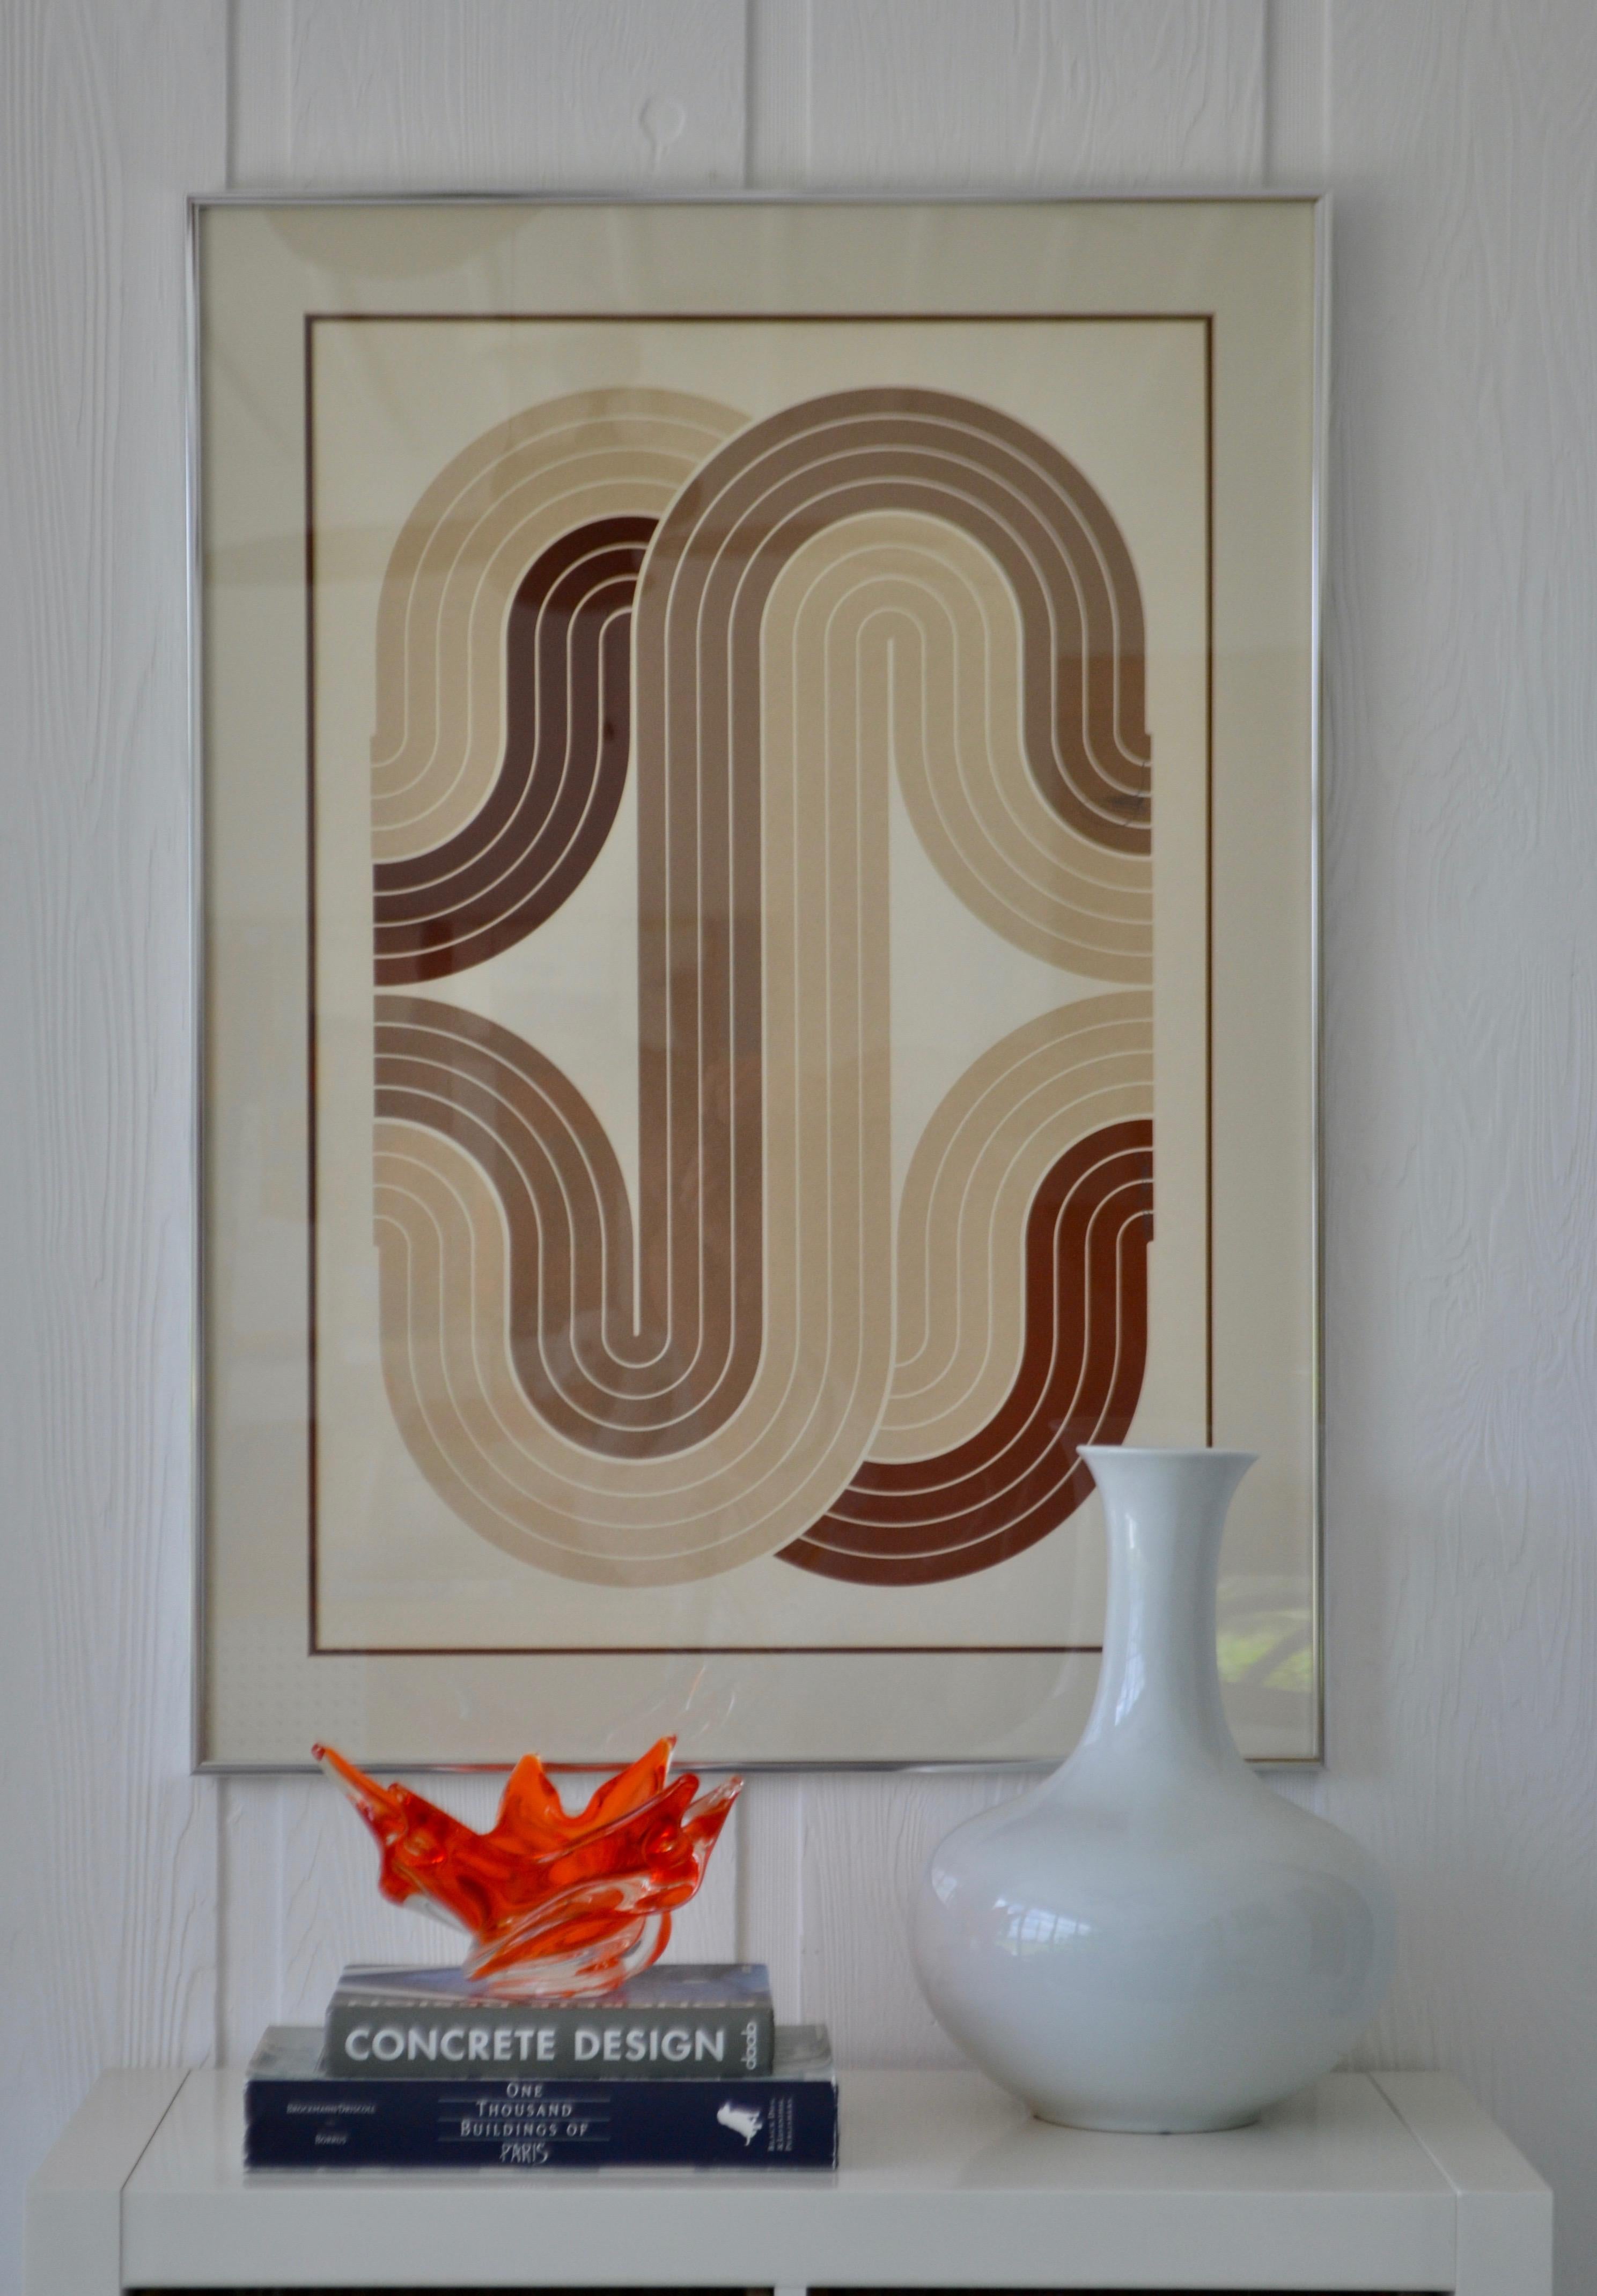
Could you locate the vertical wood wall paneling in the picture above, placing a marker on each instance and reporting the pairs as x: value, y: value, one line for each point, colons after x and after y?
x: 1037, y: 94
x: 1297, y: 95
x: 501, y: 94
x: 770, y: 1885
x: 107, y: 116
x: 866, y: 1838
x: 776, y: 139
x: 1461, y: 1089
x: 1462, y: 985
x: 260, y: 79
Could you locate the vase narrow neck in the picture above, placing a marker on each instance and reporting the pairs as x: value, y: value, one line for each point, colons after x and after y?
x: 1159, y: 1684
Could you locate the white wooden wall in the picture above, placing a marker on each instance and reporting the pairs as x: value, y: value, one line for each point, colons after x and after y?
x: 149, y: 1916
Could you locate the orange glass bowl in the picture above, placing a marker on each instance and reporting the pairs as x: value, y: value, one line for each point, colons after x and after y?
x: 559, y: 1906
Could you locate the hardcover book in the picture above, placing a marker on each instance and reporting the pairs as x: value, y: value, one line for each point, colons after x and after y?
x: 299, y: 2117
x: 678, y: 2021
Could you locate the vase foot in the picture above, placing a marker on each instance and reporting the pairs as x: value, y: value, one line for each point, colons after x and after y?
x: 1161, y: 2126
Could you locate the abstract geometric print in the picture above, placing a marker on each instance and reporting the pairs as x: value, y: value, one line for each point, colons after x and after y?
x: 766, y: 627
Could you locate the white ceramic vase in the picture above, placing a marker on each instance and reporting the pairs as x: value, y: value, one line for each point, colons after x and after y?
x: 1152, y: 1939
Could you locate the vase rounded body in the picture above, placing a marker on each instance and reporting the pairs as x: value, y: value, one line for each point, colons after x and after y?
x: 1152, y: 1939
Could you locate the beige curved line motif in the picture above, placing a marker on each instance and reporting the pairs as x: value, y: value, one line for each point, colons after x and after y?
x: 454, y: 569
x: 682, y: 1484
x: 966, y: 1197
x: 914, y: 1521
x: 881, y: 570
x: 454, y: 1391
x: 900, y: 633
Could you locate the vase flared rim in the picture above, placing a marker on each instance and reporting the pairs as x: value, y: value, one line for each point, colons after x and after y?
x: 1090, y: 1451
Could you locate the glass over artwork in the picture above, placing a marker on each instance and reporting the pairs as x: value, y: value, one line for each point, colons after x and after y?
x: 762, y: 1002
x: 771, y: 628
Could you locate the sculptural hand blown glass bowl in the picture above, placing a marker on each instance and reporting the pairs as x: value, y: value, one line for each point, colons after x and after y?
x: 560, y: 1907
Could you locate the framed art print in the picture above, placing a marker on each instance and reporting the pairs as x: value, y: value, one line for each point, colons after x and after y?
x: 757, y: 928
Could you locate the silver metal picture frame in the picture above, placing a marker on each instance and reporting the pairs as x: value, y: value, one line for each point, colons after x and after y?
x: 378, y: 1559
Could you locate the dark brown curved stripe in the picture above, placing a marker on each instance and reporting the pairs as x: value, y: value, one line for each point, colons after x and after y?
x: 568, y: 728
x: 768, y: 490
x: 1081, y: 1371
x: 696, y: 638
x: 595, y: 1378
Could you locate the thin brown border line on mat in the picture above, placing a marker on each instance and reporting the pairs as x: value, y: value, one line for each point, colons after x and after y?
x: 1205, y: 319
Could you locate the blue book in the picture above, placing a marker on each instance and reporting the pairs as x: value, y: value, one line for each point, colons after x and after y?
x: 299, y: 2117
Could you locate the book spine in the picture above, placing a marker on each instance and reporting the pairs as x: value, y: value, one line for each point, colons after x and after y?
x: 497, y: 2041
x: 532, y: 2125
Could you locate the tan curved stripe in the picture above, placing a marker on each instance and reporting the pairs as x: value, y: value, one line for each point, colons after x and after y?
x: 687, y: 1514
x: 762, y: 947
x: 757, y: 1480
x: 918, y: 1520
x: 966, y: 1198
x: 918, y: 590
x: 453, y: 611
x: 731, y: 532
x: 455, y: 567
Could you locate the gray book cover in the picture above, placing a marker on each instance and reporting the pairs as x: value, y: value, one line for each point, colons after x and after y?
x: 675, y: 2022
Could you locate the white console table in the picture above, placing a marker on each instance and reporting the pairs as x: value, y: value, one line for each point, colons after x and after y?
x: 1385, y: 2181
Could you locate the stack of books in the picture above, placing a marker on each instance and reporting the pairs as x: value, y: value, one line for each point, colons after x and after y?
x: 682, y: 2067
